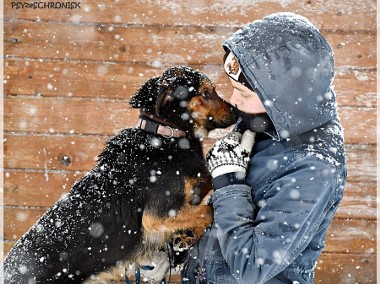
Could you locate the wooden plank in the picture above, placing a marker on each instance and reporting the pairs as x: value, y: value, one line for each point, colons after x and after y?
x: 361, y: 163
x: 18, y: 221
x: 37, y: 189
x: 66, y: 115
x: 132, y: 44
x: 47, y: 152
x: 75, y: 79
x: 334, y: 15
x: 153, y: 45
x: 355, y: 88
x: 61, y: 115
x: 43, y: 189
x: 359, y: 201
x: 348, y: 49
x: 353, y: 236
x: 346, y: 268
x: 119, y: 81
x: 360, y: 125
x: 7, y: 245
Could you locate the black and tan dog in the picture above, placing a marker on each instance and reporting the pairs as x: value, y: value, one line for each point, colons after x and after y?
x: 139, y: 193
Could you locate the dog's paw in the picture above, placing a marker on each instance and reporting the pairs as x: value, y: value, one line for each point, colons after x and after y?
x: 183, y: 240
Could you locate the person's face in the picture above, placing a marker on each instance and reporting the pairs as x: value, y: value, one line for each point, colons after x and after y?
x: 245, y: 99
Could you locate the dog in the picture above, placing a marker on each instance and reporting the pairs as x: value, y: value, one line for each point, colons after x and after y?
x: 146, y: 186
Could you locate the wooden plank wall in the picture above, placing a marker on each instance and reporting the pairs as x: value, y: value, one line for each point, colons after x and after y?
x: 69, y: 73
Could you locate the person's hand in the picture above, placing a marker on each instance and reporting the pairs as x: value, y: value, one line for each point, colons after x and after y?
x: 231, y: 154
x: 154, y: 270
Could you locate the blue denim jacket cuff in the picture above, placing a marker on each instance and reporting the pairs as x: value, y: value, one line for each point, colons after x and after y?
x: 231, y: 190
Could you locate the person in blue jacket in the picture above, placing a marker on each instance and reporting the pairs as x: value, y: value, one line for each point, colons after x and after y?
x: 279, y: 176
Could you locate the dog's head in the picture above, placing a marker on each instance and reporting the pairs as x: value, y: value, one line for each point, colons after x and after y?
x: 187, y: 98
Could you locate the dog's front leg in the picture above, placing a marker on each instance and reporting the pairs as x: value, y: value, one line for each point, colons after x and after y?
x: 196, y: 218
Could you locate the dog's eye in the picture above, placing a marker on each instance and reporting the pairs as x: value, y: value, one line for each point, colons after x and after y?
x: 206, y: 95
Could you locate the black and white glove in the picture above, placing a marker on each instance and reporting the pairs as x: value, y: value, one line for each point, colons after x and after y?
x: 154, y: 270
x: 230, y: 156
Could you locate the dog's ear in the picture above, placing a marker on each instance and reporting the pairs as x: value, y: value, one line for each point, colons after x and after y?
x: 169, y: 95
x: 145, y: 97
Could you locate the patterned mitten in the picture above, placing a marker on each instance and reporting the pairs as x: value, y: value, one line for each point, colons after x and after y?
x: 231, y: 154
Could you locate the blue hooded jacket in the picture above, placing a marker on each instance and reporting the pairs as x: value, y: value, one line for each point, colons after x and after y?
x: 272, y: 229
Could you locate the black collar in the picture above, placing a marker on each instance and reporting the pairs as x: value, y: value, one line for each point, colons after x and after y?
x: 154, y: 124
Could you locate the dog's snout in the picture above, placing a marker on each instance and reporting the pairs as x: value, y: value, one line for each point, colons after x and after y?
x: 227, y: 115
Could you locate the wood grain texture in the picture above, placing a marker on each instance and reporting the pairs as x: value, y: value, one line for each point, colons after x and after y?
x: 68, y: 75
x: 346, y: 268
x: 98, y: 116
x: 334, y: 15
x: 153, y: 45
x: 120, y: 81
x: 47, y: 152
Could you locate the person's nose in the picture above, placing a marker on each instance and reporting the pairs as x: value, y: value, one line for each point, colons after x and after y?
x: 234, y: 100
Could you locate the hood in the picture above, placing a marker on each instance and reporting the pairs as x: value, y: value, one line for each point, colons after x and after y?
x: 290, y: 66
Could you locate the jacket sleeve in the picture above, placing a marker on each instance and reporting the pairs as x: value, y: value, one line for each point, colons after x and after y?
x: 258, y: 243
